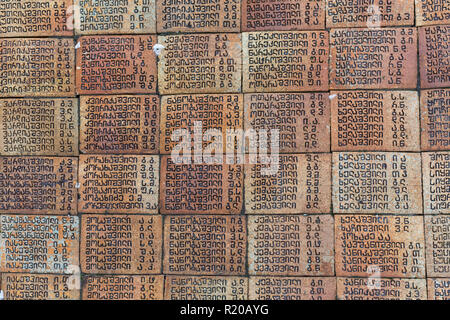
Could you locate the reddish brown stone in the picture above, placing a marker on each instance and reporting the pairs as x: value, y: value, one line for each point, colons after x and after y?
x: 437, y: 237
x: 303, y: 119
x: 381, y: 58
x: 206, y: 288
x: 285, y: 61
x: 380, y: 246
x: 278, y: 15
x: 291, y: 245
x: 438, y: 289
x: 37, y: 67
x: 377, y: 182
x: 39, y: 244
x: 429, y: 12
x: 292, y: 288
x: 434, y: 59
x: 376, y: 288
x: 301, y: 185
x: 123, y: 287
x: 118, y: 184
x: 119, y: 244
x: 436, y: 182
x: 375, y: 121
x: 205, y: 245
x: 435, y: 117
x: 127, y: 124
x: 116, y: 64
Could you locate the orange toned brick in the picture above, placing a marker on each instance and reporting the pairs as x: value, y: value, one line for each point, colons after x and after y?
x: 431, y: 12
x: 437, y: 238
x: 435, y: 117
x: 438, y: 289
x: 436, y: 182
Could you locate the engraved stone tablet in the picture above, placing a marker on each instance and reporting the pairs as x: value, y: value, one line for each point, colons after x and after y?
x: 198, y: 16
x: 429, y: 12
x: 283, y: 15
x: 291, y: 245
x: 205, y: 245
x: 437, y: 237
x: 37, y: 67
x: 120, y: 124
x: 123, y: 287
x: 375, y: 121
x: 39, y: 244
x: 380, y: 246
x: 301, y: 185
x: 439, y: 289
x: 206, y: 288
x: 303, y: 119
x: 383, y: 58
x: 292, y: 288
x: 200, y: 63
x: 436, y: 182
x: 115, y: 17
x: 285, y: 61
x: 435, y: 117
x: 38, y: 185
x: 118, y: 184
x: 27, y: 286
x: 377, y: 182
x: 121, y: 244
x: 116, y: 64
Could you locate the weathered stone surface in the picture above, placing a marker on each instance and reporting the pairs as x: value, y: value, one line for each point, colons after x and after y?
x: 380, y: 246
x: 437, y: 238
x: 436, y: 182
x: 123, y: 287
x: 37, y: 67
x: 285, y: 61
x: 115, y: 17
x: 212, y: 111
x: 205, y: 245
x: 301, y: 185
x: 283, y: 15
x: 382, y: 58
x: 369, y: 14
x: 376, y: 288
x: 377, y: 182
x: 126, y: 124
x: 116, y: 64
x: 118, y: 184
x: 434, y: 59
x: 121, y: 244
x: 206, y: 288
x: 435, y: 117
x: 375, y: 121
x: 292, y: 288
x: 291, y: 245
x: 38, y: 185
x: 39, y: 244
x: 430, y: 12
x: 303, y: 119
x: 198, y: 16
x: 439, y: 289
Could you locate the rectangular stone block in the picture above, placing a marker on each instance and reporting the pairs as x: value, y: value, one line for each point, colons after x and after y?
x: 377, y: 182
x: 123, y: 287
x: 291, y: 245
x: 292, y: 288
x: 125, y: 124
x: 436, y: 182
x: 121, y: 244
x: 376, y: 288
x: 198, y: 16
x: 115, y: 17
x: 380, y: 246
x: 435, y: 118
x: 303, y: 119
x: 430, y: 12
x: 278, y: 15
x: 206, y: 288
x: 118, y: 184
x: 285, y: 61
x: 369, y: 14
x: 116, y: 64
x: 434, y: 59
x: 205, y: 245
x: 37, y: 67
x: 375, y: 121
x: 379, y: 58
x: 438, y: 289
x: 38, y: 185
x: 302, y: 184
x: 200, y: 113
x: 199, y: 63
x: 39, y: 244
x: 437, y: 238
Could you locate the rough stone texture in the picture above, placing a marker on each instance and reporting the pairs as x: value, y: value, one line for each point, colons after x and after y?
x: 436, y: 182
x: 438, y: 289
x: 437, y: 238
x: 432, y: 12
x: 435, y: 117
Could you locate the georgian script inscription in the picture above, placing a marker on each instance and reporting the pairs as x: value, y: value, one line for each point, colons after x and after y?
x: 436, y: 182
x: 439, y: 289
x: 437, y: 237
x: 430, y: 12
x: 435, y: 117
